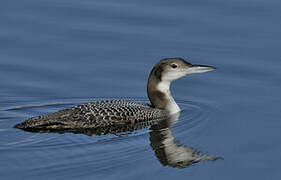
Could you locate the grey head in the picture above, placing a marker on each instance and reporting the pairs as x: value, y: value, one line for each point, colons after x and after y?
x: 170, y: 69
x: 161, y: 76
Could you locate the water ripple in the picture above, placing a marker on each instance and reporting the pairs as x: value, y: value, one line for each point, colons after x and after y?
x: 194, y: 114
x: 108, y: 150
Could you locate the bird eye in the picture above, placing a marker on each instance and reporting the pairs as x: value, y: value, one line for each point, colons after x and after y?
x: 174, y: 66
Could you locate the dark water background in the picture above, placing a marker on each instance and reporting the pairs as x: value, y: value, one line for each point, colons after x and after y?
x: 58, y: 53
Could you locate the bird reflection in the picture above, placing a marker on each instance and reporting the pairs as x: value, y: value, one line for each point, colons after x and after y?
x: 166, y: 148
x: 169, y: 151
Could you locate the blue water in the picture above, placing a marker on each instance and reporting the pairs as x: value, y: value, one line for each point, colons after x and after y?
x: 55, y: 54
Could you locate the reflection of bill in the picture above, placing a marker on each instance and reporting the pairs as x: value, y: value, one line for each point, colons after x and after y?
x: 168, y: 151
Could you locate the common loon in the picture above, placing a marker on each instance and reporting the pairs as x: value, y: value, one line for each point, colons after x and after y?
x: 114, y: 113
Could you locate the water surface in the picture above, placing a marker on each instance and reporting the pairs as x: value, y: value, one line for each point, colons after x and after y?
x: 56, y: 54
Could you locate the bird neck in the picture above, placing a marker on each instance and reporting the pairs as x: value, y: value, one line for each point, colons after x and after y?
x: 160, y: 96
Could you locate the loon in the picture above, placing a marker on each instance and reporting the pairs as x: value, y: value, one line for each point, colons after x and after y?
x: 116, y: 113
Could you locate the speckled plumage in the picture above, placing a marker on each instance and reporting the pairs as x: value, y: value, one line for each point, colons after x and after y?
x: 95, y: 115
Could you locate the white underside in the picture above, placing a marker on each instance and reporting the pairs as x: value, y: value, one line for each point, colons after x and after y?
x: 173, y: 108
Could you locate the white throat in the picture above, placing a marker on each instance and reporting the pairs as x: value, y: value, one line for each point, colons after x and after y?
x: 171, y: 106
x: 160, y: 95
